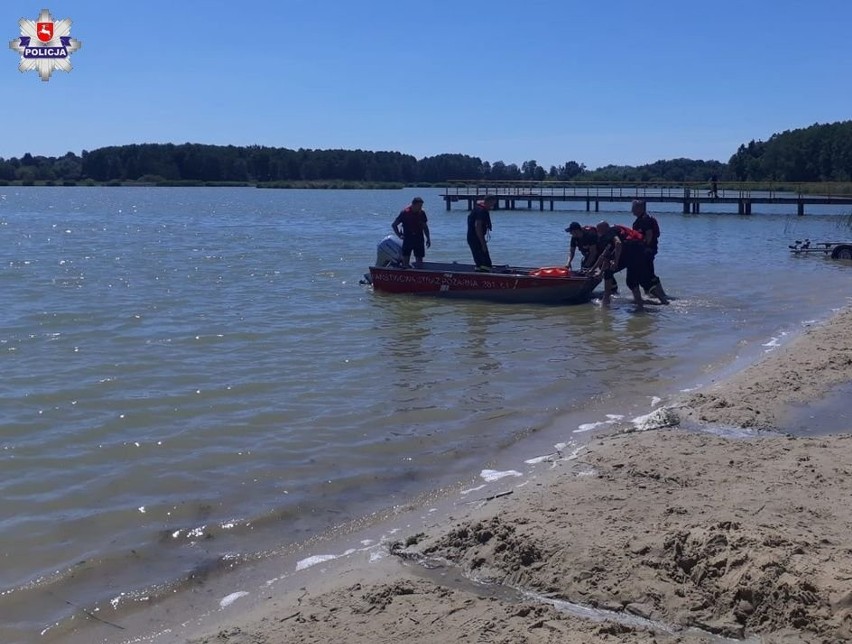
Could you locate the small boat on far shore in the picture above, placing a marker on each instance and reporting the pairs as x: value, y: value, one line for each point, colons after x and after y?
x: 515, y: 284
x: 837, y: 250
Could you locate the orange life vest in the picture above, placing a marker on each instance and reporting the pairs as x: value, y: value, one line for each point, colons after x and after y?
x: 628, y: 234
x: 550, y: 271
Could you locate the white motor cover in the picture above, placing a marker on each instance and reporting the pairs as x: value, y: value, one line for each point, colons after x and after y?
x: 389, y: 251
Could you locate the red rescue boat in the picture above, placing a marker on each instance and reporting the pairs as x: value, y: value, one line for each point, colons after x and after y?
x: 548, y: 285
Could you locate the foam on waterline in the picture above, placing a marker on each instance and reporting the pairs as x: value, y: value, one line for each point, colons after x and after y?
x: 553, y: 456
x: 494, y: 475
x: 587, y: 427
x: 539, y: 459
x: 313, y: 561
x: 774, y: 342
x: 230, y: 599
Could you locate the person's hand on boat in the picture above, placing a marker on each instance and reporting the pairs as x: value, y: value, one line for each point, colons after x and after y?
x: 428, y: 243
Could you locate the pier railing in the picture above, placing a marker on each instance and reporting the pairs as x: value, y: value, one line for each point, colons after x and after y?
x: 690, y: 194
x: 732, y: 189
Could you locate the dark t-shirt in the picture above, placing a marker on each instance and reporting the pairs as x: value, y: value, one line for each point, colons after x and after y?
x: 646, y: 223
x: 606, y: 242
x: 587, y: 240
x: 479, y: 213
x: 412, y: 222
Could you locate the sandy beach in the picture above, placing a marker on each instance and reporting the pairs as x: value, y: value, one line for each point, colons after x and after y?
x: 688, y: 533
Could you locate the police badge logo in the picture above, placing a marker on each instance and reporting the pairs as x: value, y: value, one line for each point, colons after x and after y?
x: 45, y: 45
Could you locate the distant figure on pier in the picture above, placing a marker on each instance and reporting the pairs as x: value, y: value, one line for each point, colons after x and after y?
x: 478, y: 227
x: 413, y: 221
x: 584, y: 238
x: 650, y: 229
x: 714, y: 186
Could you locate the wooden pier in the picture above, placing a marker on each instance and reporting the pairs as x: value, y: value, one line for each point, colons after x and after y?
x: 514, y: 194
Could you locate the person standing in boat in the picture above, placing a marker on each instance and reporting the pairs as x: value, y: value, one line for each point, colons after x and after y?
x: 478, y: 227
x: 650, y: 229
x: 584, y: 238
x: 414, y: 227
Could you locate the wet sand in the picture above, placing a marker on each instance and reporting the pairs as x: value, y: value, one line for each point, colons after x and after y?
x: 691, y: 533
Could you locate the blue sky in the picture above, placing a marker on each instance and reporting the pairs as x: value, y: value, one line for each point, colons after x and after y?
x: 597, y: 82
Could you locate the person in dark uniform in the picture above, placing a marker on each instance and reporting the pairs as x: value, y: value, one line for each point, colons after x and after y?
x: 650, y: 229
x: 603, y: 244
x: 414, y: 226
x: 621, y: 247
x: 584, y: 238
x: 478, y: 227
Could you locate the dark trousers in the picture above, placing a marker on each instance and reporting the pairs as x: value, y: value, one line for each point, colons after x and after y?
x: 413, y: 243
x: 481, y: 256
x: 650, y: 254
x: 639, y: 261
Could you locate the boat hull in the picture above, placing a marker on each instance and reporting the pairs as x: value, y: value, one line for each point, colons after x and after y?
x: 503, y: 284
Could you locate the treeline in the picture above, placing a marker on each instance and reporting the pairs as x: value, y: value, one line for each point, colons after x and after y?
x: 816, y: 153
x: 192, y: 162
x: 675, y: 171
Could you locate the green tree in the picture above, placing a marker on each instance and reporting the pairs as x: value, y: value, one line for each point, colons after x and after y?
x: 7, y: 171
x: 529, y: 169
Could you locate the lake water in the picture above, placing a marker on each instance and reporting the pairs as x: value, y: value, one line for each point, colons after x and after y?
x: 192, y: 376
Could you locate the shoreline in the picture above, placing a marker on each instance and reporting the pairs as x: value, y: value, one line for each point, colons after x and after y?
x: 664, y: 535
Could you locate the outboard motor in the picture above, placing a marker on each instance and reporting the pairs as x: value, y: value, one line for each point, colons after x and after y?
x: 389, y: 252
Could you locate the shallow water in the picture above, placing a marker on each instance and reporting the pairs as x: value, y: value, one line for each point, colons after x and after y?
x: 193, y: 377
x: 832, y: 414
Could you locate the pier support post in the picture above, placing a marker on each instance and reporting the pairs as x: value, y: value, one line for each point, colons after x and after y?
x: 748, y: 207
x: 588, y: 205
x: 551, y: 205
x: 448, y: 204
x: 686, y: 201
x: 740, y: 207
x: 801, y: 208
x: 597, y: 206
x: 529, y: 204
x: 541, y: 205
